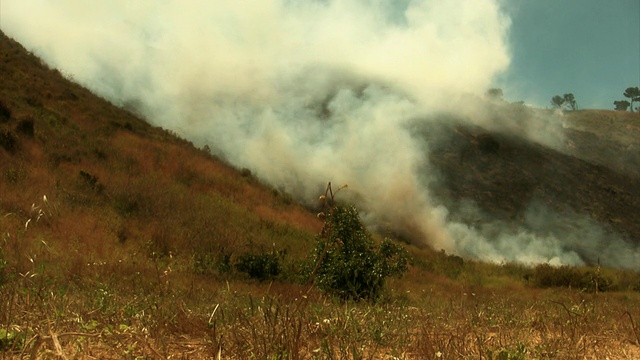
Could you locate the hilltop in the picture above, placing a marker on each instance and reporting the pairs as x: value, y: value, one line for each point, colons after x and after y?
x: 118, y: 239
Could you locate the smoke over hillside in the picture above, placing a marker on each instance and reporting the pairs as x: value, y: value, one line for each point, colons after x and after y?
x: 303, y: 92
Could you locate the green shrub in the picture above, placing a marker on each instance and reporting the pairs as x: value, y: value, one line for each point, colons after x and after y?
x: 626, y: 280
x: 547, y: 276
x: 5, y: 112
x: 11, y: 340
x: 26, y: 127
x: 208, y: 262
x: 8, y: 140
x: 345, y: 261
x: 262, y: 267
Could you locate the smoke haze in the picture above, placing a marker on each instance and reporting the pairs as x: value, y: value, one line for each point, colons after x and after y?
x: 303, y: 92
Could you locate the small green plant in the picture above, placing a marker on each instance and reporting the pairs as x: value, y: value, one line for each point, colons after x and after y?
x: 347, y: 263
x: 11, y: 339
x: 519, y: 353
x: 209, y: 262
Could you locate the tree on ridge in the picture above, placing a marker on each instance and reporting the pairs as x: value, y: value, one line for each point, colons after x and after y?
x: 557, y: 101
x: 621, y: 105
x: 570, y: 101
x: 632, y: 93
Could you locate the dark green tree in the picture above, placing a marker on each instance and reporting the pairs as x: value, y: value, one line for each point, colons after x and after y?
x: 621, y: 105
x: 633, y: 93
x: 570, y: 101
x: 557, y: 101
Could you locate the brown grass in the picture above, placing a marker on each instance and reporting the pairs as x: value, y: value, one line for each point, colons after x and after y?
x: 141, y: 307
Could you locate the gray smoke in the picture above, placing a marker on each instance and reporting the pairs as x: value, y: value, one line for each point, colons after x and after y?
x: 303, y: 92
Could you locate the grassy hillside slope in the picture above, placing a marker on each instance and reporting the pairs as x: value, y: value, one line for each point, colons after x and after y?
x: 117, y: 240
x: 113, y: 180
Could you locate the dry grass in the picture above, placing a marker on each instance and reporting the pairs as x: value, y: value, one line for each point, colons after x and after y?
x: 145, y: 308
x: 65, y: 299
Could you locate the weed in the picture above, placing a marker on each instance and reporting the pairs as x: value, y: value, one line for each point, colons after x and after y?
x: 11, y: 339
x: 264, y: 266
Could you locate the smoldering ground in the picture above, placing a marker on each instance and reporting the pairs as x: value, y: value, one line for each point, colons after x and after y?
x: 308, y: 91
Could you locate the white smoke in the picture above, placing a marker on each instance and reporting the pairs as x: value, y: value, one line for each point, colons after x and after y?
x: 300, y: 92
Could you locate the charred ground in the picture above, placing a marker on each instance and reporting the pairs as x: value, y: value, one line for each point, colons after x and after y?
x: 592, y: 172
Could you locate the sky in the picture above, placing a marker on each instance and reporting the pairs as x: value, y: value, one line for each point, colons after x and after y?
x: 309, y: 91
x: 590, y: 48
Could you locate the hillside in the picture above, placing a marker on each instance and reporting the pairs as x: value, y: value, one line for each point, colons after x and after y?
x: 118, y: 240
x: 113, y: 177
x: 594, y: 172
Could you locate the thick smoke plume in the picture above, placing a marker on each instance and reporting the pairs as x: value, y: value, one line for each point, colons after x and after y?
x: 301, y: 92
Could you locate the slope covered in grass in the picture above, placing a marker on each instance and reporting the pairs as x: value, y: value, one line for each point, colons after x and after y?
x: 115, y: 183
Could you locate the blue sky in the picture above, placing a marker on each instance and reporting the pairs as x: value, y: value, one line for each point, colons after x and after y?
x: 590, y: 48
